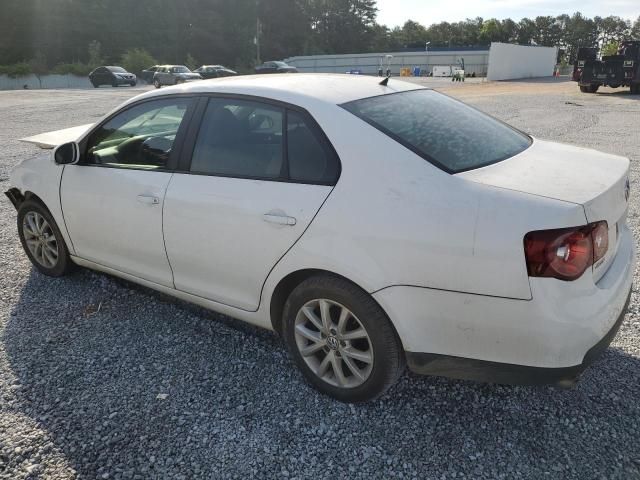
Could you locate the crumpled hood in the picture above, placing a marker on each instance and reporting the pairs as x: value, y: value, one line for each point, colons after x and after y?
x: 58, y: 137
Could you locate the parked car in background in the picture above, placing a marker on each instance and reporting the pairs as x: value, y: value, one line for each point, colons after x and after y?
x: 477, y: 251
x: 147, y: 74
x: 113, y: 76
x: 215, y: 71
x: 275, y: 67
x: 173, y: 75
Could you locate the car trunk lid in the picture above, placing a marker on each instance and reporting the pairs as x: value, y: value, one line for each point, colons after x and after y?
x: 597, y: 181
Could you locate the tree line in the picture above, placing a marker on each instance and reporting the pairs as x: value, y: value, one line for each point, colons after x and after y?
x: 71, y: 36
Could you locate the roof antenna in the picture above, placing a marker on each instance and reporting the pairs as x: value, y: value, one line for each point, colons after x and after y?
x: 384, y: 82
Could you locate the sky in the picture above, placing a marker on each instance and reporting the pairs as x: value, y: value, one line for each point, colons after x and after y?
x: 395, y: 12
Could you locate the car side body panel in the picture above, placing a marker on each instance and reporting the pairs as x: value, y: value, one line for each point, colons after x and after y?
x: 111, y: 221
x: 555, y: 329
x: 222, y: 234
x: 398, y: 216
x: 41, y: 176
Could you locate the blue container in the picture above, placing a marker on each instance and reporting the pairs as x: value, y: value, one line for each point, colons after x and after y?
x: 416, y: 71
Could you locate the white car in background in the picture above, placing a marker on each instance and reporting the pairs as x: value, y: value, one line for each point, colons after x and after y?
x: 339, y: 211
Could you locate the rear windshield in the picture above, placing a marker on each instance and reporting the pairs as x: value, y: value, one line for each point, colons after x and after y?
x: 444, y: 131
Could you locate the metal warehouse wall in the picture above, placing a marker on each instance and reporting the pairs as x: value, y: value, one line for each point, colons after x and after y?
x: 508, y: 61
x: 475, y: 61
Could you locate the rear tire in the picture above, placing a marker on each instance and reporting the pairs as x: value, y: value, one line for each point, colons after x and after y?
x: 351, y: 351
x: 635, y: 88
x: 42, y: 241
x: 156, y: 83
x: 593, y: 88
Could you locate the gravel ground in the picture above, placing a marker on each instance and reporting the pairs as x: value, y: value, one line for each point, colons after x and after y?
x: 103, y: 379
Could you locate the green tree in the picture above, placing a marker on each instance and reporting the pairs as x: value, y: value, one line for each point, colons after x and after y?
x: 191, y: 62
x: 340, y: 26
x: 611, y: 29
x: 38, y: 66
x: 610, y: 48
x: 526, y: 31
x: 413, y: 35
x: 95, y: 54
x: 136, y: 60
x: 635, y: 30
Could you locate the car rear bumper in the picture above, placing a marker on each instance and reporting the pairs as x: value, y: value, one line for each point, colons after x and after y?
x: 551, y: 337
x: 506, y: 373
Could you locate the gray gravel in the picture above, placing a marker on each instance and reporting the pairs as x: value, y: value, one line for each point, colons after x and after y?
x: 103, y: 379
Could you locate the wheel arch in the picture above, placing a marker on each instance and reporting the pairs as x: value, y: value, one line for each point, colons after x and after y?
x: 62, y: 226
x: 289, y: 282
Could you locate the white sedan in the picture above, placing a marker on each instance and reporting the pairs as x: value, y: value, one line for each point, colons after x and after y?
x: 372, y: 224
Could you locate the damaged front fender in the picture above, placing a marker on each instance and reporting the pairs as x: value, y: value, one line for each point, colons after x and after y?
x: 15, y: 196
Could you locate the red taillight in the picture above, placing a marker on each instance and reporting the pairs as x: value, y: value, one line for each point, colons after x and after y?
x: 565, y: 253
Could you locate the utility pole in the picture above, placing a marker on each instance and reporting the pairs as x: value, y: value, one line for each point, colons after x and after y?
x: 257, y: 41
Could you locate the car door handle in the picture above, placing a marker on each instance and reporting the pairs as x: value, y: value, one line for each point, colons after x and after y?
x: 148, y: 199
x: 279, y: 219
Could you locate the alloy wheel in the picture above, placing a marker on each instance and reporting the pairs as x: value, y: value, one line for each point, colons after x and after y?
x: 333, y: 343
x: 40, y: 239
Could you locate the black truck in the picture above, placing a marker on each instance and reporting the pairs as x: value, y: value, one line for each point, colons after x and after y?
x: 621, y: 70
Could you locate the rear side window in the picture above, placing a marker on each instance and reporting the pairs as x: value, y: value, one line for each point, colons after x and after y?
x: 444, y: 131
x: 240, y: 138
x: 310, y: 159
x: 251, y: 139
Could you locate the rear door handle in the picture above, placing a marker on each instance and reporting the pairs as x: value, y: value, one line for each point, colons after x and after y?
x: 279, y: 219
x: 148, y: 199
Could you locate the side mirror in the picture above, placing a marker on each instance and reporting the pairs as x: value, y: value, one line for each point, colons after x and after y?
x: 66, y: 154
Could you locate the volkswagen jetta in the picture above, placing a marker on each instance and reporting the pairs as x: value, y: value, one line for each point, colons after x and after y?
x: 372, y: 224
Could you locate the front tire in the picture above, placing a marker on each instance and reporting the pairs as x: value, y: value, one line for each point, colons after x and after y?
x: 341, y: 339
x: 42, y: 241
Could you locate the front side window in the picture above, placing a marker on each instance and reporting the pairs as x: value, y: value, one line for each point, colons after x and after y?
x: 140, y: 137
x: 444, y: 131
x: 240, y: 138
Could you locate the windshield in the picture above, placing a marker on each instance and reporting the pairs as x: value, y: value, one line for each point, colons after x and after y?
x: 448, y: 133
x: 117, y: 69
